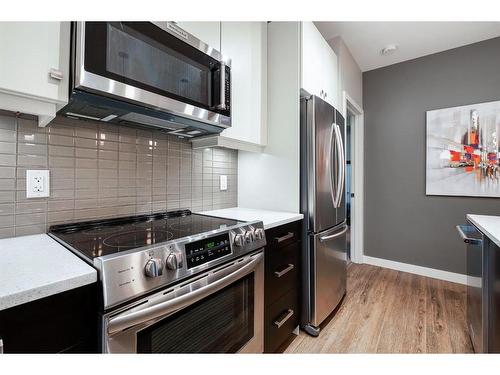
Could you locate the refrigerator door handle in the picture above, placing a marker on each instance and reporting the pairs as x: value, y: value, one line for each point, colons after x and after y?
x: 335, y: 235
x: 341, y: 167
x: 330, y: 163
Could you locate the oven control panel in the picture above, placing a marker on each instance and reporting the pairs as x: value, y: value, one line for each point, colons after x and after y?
x: 158, y: 266
x: 206, y: 250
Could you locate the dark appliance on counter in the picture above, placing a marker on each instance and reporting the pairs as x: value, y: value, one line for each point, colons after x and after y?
x: 148, y: 73
x: 175, y: 282
x: 322, y: 196
x: 483, y: 289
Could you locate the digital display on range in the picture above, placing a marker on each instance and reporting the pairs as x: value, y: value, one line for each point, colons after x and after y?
x: 203, y: 251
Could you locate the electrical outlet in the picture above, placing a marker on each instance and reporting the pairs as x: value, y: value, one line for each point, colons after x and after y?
x: 223, y: 182
x: 37, y: 183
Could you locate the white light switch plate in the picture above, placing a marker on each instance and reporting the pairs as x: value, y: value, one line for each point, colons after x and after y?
x: 223, y: 182
x: 37, y: 183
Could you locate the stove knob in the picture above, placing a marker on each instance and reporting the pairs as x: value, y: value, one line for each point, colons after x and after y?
x: 238, y: 240
x: 174, y: 261
x: 249, y: 236
x: 259, y: 233
x: 154, y: 267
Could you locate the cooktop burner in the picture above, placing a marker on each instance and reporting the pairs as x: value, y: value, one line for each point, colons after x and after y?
x: 130, y: 240
x: 104, y: 237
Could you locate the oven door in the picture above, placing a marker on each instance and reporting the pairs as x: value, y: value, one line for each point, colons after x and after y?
x: 157, y: 65
x: 220, y: 311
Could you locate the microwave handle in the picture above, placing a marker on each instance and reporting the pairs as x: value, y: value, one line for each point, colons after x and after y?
x: 126, y: 320
x: 222, y: 98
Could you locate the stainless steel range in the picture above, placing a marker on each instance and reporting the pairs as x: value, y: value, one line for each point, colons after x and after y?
x: 175, y: 282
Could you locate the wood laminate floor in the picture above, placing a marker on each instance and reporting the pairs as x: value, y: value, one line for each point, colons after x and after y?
x: 387, y: 311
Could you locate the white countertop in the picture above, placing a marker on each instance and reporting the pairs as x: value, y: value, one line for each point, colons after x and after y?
x: 489, y: 225
x: 34, y: 267
x: 270, y: 219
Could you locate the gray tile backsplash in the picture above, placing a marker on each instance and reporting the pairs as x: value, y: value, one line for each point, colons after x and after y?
x: 100, y: 170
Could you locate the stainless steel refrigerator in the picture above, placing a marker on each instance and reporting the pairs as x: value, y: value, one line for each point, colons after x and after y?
x: 322, y: 194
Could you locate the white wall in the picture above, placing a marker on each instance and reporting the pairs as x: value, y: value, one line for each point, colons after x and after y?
x: 270, y: 180
x: 351, y: 77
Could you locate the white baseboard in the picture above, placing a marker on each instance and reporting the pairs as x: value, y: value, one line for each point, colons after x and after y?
x: 417, y: 270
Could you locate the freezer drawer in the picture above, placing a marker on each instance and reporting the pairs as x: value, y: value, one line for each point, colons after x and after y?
x: 328, y: 279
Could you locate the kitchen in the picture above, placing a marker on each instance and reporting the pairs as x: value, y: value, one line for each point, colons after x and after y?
x: 236, y: 187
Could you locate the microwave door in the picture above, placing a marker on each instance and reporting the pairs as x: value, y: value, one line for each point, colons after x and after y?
x: 141, y: 63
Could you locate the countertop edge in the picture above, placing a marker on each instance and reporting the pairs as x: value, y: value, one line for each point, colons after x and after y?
x: 474, y: 219
x: 270, y: 219
x: 284, y: 221
x: 17, y: 289
x: 40, y: 292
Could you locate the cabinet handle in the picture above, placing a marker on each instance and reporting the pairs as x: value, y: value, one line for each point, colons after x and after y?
x: 1, y: 346
x: 56, y: 74
x: 470, y: 240
x: 288, y: 315
x: 285, y: 237
x: 284, y: 271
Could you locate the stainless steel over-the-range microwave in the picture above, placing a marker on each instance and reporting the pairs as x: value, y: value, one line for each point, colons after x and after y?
x: 148, y: 73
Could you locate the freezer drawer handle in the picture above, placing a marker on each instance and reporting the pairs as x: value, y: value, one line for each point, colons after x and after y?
x: 282, y: 321
x: 284, y: 271
x: 472, y: 241
x: 284, y: 238
x: 326, y: 238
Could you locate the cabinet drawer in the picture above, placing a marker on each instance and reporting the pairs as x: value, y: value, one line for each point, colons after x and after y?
x: 283, y: 235
x: 281, y: 318
x: 282, y: 272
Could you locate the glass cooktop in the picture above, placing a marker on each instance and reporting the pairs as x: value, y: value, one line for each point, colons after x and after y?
x: 104, y: 237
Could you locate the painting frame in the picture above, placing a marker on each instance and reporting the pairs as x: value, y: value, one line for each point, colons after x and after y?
x: 462, y: 150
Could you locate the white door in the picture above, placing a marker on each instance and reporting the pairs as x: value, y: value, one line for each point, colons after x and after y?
x: 245, y: 43
x: 330, y: 75
x: 312, y: 59
x: 29, y: 50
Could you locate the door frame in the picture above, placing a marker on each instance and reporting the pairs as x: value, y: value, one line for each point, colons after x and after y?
x: 357, y: 176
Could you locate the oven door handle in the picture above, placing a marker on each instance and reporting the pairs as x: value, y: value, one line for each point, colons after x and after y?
x: 129, y: 319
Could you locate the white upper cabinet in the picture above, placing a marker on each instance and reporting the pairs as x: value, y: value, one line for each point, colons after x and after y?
x: 206, y: 31
x: 319, y: 65
x: 245, y: 43
x: 32, y: 62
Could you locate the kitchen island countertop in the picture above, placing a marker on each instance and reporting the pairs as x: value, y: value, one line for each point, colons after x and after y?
x: 489, y: 225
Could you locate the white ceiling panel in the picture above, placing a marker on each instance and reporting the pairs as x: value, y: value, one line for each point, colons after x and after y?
x: 365, y: 40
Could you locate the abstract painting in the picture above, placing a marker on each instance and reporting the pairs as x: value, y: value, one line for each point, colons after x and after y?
x: 463, y: 150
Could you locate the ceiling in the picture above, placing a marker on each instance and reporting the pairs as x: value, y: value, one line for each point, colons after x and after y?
x: 414, y: 39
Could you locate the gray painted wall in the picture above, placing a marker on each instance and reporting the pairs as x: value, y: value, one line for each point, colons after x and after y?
x: 401, y: 222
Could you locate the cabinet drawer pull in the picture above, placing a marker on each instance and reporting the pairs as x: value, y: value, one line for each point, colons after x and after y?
x: 283, y: 320
x: 284, y: 271
x: 285, y: 237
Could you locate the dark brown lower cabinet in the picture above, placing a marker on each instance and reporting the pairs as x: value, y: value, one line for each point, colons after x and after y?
x: 62, y: 323
x: 282, y: 285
